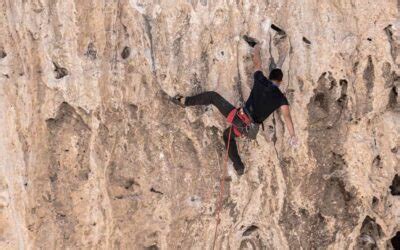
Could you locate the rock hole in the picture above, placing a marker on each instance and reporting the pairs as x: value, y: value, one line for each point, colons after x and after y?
x: 133, y: 109
x: 61, y: 215
x: 156, y: 191
x: 305, y: 40
x: 125, y: 52
x: 277, y: 29
x: 332, y: 85
x: 53, y: 178
x: 249, y: 40
x: 338, y: 160
x: 343, y: 96
x: 3, y: 54
x: 388, y: 30
x: 369, y: 234
x: 91, y: 52
x: 393, y: 45
x: 374, y: 201
x: 377, y: 161
x: 396, y: 241
x: 355, y: 67
x: 130, y: 183
x: 395, y: 187
x: 320, y: 99
x: 341, y: 99
x: 393, y: 97
x: 394, y: 150
x: 369, y: 39
x: 152, y: 247
x: 249, y: 230
x: 304, y: 212
x: 59, y: 71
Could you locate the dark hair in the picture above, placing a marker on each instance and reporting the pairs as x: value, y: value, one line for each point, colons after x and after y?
x: 276, y: 74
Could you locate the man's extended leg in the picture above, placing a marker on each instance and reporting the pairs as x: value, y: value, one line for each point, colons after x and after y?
x: 225, y: 108
x: 233, y: 151
x: 208, y: 98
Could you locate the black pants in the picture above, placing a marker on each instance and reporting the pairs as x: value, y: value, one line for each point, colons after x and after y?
x: 225, y: 108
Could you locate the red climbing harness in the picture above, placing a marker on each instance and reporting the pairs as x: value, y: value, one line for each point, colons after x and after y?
x: 242, y: 116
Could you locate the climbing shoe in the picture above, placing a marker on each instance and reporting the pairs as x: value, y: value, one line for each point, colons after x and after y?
x: 178, y: 100
x: 251, y: 41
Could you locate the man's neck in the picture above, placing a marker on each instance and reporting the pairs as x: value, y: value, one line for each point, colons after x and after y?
x: 275, y: 83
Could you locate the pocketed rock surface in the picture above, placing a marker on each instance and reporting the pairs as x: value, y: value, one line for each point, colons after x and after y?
x: 93, y: 155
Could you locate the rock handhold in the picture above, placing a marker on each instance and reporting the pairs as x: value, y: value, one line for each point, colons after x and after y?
x: 3, y: 54
x: 249, y: 230
x: 156, y: 191
x: 370, y: 233
x: 392, y: 36
x: 250, y: 40
x: 305, y: 40
x: 125, y: 52
x: 396, y: 241
x: 393, y: 99
x: 60, y: 72
x: 377, y: 162
x: 152, y: 247
x: 395, y: 187
x: 91, y: 51
x: 277, y: 29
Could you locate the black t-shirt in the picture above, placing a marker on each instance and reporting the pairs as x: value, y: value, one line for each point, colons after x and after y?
x: 264, y: 99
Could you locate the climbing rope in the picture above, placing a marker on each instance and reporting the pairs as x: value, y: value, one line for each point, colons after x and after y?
x: 222, y: 187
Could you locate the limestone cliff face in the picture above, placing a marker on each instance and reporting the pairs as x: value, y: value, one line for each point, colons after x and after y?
x: 93, y: 155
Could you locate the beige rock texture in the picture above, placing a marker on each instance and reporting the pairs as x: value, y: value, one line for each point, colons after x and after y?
x: 93, y: 155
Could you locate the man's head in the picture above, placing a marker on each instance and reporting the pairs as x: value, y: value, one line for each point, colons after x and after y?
x: 276, y: 75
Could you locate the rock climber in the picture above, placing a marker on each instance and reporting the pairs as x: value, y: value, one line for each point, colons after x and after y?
x: 265, y: 97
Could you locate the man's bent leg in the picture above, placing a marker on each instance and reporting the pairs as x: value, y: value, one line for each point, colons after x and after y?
x: 208, y: 98
x: 233, y: 151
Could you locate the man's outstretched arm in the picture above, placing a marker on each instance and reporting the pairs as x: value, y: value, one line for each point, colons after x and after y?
x: 288, y: 120
x: 257, y: 57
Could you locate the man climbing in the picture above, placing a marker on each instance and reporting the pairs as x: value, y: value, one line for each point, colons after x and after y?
x: 264, y: 99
